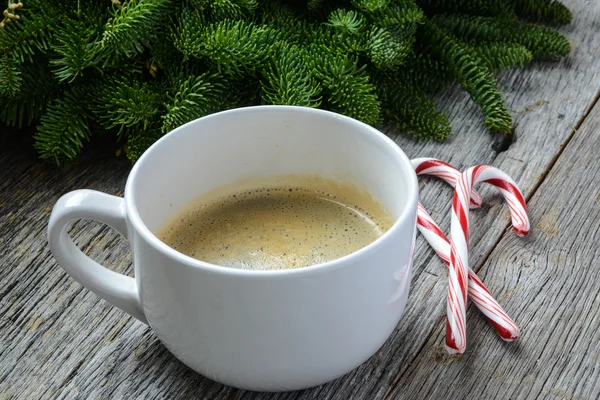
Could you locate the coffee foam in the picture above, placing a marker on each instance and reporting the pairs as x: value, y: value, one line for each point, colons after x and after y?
x: 278, y: 223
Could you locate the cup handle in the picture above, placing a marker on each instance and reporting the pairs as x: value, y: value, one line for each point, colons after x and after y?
x: 117, y: 289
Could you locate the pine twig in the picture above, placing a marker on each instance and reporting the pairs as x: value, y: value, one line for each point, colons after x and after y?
x: 473, y: 76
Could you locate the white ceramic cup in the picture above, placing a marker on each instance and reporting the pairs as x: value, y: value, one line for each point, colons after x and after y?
x: 269, y: 330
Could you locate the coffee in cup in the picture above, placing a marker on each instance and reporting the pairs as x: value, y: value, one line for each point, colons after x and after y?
x: 280, y: 222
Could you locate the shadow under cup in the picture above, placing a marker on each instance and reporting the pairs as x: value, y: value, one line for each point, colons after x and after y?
x: 278, y: 329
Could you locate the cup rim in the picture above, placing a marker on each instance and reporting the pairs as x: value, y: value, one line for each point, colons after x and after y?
x: 141, y: 228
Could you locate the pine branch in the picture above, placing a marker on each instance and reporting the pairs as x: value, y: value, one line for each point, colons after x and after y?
x: 132, y: 25
x: 410, y: 109
x: 401, y: 12
x: 24, y: 36
x: 73, y: 45
x: 543, y: 10
x: 389, y: 47
x: 472, y: 74
x: 232, y: 46
x: 346, y: 85
x: 192, y: 97
x: 38, y: 89
x: 277, y: 14
x: 370, y: 6
x: 336, y: 39
x: 188, y: 34
x: 63, y: 128
x: 344, y: 33
x: 152, y: 65
x: 503, y: 56
x: 163, y: 55
x: 139, y: 139
x: 217, y: 10
x: 10, y: 76
x: 346, y: 22
x: 288, y: 79
x: 392, y: 34
x: 424, y: 72
x: 542, y: 42
x: 490, y: 8
x: 125, y: 102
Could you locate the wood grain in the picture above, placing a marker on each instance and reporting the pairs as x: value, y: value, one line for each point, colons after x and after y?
x: 554, y: 293
x: 59, y: 340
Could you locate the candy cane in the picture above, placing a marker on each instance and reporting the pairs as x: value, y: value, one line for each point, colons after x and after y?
x: 434, y: 167
x: 480, y: 295
x: 459, y: 256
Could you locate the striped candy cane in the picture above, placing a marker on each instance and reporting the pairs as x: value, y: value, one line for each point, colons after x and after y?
x: 443, y: 170
x: 478, y: 293
x: 459, y: 256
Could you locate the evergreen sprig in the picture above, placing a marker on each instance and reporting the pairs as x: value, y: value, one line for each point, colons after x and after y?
x: 501, y: 9
x: 222, y: 9
x: 289, y: 80
x: 503, y: 56
x: 424, y: 72
x: 410, y: 108
x: 132, y: 25
x: 542, y: 42
x: 136, y: 69
x: 397, y: 13
x: 192, y: 97
x: 74, y: 46
x: 348, y: 22
x: 231, y: 46
x: 138, y: 140
x: 28, y: 34
x: 543, y: 10
x: 38, y: 88
x: 126, y: 102
x: 10, y: 76
x: 236, y: 46
x: 64, y: 128
x: 389, y: 47
x: 472, y: 74
x: 347, y: 86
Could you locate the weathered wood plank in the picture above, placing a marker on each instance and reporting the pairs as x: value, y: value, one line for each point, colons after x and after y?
x: 40, y: 345
x: 57, y: 339
x: 550, y: 283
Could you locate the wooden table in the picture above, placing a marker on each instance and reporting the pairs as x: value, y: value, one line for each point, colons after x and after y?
x: 59, y: 340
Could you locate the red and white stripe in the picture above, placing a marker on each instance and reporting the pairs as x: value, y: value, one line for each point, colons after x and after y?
x: 479, y: 294
x: 443, y: 170
x: 456, y: 339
